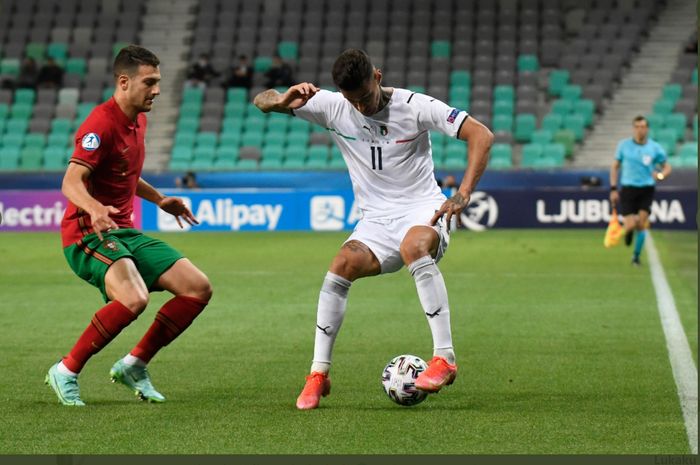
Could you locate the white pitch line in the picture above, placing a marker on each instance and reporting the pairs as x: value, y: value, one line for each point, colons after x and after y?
x: 684, y: 371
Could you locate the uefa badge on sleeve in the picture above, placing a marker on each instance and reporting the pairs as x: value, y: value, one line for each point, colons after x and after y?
x: 90, y: 142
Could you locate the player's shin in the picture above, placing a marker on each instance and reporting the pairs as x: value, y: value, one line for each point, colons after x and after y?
x: 433, y: 297
x: 172, y: 319
x: 105, y: 325
x: 329, y: 317
x: 639, y: 243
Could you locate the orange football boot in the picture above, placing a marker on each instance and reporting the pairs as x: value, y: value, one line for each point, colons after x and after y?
x: 317, y: 384
x: 438, y: 374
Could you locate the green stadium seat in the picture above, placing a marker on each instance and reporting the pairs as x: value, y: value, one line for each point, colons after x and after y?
x: 54, y: 158
x: 437, y: 138
x: 237, y: 94
x: 337, y: 164
x: 299, y: 125
x: 178, y: 165
x: 288, y: 50
x: 271, y: 163
x: 293, y: 163
x: 577, y: 124
x: 663, y: 106
x: 252, y: 139
x: 667, y: 138
x: 531, y: 152
x: 417, y: 89
x: 503, y: 93
x: 688, y: 150
x: 21, y: 110
x: 677, y: 122
x: 694, y: 77
x: 224, y: 164
x: 192, y: 94
x: 16, y: 126
x: 503, y: 107
x: 202, y: 164
x: 503, y: 123
x: 558, y: 79
x: 319, y: 152
x: 4, y: 110
x: 316, y: 163
x: 234, y: 109
x: 25, y: 96
x: 562, y: 107
x: 695, y: 126
x: 59, y: 139
x: 107, y: 93
x: 13, y: 139
x: 541, y: 136
x: 273, y: 152
x: 586, y: 108
x: 298, y: 137
x: 672, y: 92
x: 455, y: 160
x: 555, y: 151
x: 528, y: 63
x: 181, y: 153
x: 207, y: 139
x: 204, y: 152
x: 61, y: 125
x: 275, y: 138
x: 552, y: 122
x: 230, y: 139
x: 571, y: 92
x: 3, y: 121
x: 656, y: 121
x: 460, y: 77
x: 501, y: 152
x: 188, y: 124
x: 278, y: 122
x: 57, y: 50
x: 546, y: 162
x: 76, y: 66
x: 35, y: 50
x: 9, y: 158
x: 525, y: 124
x: 9, y: 66
x: 227, y: 152
x: 184, y: 140
x: 440, y: 49
x: 438, y: 152
x: 262, y: 64
x: 232, y: 125
x: 567, y: 138
x: 31, y: 158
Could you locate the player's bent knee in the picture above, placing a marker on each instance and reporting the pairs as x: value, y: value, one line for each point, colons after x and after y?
x: 343, y: 266
x: 136, y: 301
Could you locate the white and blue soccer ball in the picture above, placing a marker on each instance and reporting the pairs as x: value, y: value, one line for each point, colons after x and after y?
x: 399, y: 379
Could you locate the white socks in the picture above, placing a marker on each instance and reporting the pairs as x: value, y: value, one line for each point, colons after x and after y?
x: 61, y: 368
x: 433, y: 297
x: 133, y: 361
x: 329, y: 316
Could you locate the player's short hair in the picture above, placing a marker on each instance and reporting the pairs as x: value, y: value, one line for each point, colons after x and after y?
x: 131, y: 57
x: 640, y: 118
x: 352, y: 69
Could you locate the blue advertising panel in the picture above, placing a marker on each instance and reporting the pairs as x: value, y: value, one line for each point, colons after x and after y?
x: 335, y: 210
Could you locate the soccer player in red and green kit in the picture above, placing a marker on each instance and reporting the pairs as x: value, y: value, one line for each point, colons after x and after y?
x: 102, y: 246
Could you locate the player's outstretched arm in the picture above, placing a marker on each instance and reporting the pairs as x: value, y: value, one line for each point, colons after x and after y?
x: 172, y: 205
x: 295, y: 97
x: 74, y: 189
x: 480, y: 139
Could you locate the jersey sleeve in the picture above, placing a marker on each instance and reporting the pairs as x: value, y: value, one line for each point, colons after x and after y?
x: 436, y: 115
x: 92, y: 141
x: 318, y: 109
x: 618, y: 151
x: 660, y: 156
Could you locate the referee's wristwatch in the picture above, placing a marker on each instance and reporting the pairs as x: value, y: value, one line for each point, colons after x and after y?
x: 660, y: 176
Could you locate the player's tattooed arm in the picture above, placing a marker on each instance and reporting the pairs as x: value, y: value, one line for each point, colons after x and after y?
x: 295, y: 97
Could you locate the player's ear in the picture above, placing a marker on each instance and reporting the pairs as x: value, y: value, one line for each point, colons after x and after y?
x: 378, y: 75
x: 123, y: 82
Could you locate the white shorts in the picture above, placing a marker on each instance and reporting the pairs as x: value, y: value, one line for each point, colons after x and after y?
x: 384, y: 237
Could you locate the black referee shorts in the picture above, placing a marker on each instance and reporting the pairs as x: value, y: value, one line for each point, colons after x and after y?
x: 633, y: 199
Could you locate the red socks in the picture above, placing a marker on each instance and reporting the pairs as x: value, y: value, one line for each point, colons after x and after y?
x: 105, y: 325
x: 171, y: 320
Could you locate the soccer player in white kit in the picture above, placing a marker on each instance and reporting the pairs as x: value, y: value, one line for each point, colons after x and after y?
x: 383, y: 134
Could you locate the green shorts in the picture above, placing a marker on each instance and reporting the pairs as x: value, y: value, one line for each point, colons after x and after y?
x: 90, y: 258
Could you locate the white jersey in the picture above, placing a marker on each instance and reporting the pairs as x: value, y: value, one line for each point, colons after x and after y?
x: 388, y: 154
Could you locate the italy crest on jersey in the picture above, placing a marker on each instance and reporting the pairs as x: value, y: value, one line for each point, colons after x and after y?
x: 90, y: 141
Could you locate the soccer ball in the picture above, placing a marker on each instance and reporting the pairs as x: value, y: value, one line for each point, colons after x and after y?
x: 399, y: 379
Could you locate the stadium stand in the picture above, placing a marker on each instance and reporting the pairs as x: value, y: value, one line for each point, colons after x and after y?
x: 539, y: 72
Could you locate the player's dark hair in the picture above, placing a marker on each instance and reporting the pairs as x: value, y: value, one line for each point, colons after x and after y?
x: 640, y: 118
x: 352, y: 69
x: 131, y: 57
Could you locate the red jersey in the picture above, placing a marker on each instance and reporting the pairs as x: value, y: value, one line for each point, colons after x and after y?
x: 112, y: 147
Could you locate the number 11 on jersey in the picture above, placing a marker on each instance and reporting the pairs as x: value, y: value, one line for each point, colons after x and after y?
x: 376, y: 157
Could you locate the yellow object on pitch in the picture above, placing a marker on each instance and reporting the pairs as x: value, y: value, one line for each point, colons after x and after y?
x: 614, y: 231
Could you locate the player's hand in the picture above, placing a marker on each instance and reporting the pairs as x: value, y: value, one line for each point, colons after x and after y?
x: 452, y: 206
x: 297, y: 96
x: 614, y: 197
x: 178, y: 209
x: 101, y: 221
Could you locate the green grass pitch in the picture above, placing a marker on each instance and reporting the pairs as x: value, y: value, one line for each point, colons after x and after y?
x: 558, y: 340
